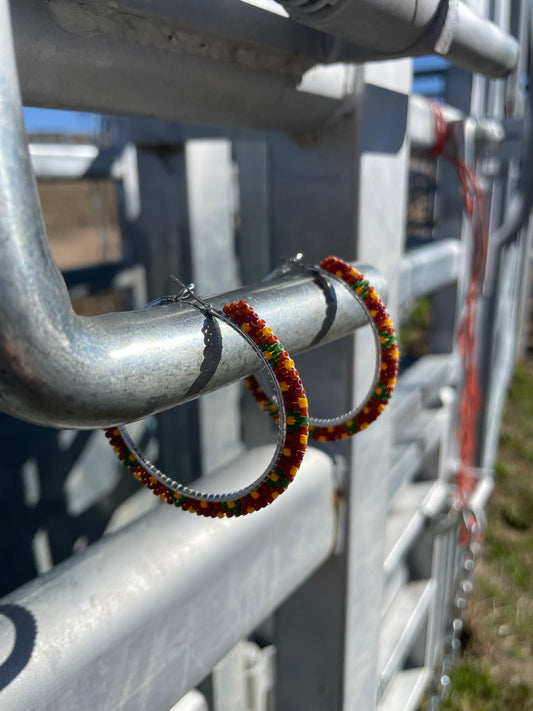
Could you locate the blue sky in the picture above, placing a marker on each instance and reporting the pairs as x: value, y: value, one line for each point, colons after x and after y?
x: 56, y: 121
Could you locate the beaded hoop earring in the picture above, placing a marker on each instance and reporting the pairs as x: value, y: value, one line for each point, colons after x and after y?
x: 293, y: 424
x: 386, y: 370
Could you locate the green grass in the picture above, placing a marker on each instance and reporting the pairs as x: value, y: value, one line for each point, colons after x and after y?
x: 415, y: 327
x: 476, y: 687
x: 495, y: 670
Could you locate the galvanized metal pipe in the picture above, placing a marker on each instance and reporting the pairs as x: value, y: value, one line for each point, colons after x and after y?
x: 229, y: 64
x: 413, y: 27
x: 58, y: 369
x: 427, y: 269
x: 128, y: 58
x: 421, y: 122
x: 143, y: 615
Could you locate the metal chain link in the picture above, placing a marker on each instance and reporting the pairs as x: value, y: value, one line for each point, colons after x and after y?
x: 468, y: 556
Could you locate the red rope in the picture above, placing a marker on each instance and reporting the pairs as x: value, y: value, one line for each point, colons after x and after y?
x: 470, y: 399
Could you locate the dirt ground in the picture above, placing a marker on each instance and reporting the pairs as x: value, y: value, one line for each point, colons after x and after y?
x: 81, y: 221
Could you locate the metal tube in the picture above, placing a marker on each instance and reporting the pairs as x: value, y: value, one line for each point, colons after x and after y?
x: 143, y: 615
x: 61, y: 370
x: 58, y: 369
x: 421, y: 122
x: 413, y: 27
x: 502, y: 238
x: 479, y: 45
x: 427, y: 269
x: 481, y: 494
x: 122, y: 59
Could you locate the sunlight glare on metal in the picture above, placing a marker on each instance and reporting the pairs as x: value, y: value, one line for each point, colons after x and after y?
x: 269, y: 6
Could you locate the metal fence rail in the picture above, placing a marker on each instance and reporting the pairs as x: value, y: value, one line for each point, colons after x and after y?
x: 144, y: 614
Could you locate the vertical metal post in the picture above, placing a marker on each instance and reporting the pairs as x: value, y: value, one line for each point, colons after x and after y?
x: 345, y: 193
x: 313, y: 190
x: 253, y: 245
x: 160, y: 229
x: 211, y: 203
x: 381, y: 232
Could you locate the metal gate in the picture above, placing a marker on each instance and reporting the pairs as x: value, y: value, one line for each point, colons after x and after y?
x: 239, y: 134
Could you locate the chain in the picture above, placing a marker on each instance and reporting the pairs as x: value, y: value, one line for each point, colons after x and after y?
x: 468, y: 555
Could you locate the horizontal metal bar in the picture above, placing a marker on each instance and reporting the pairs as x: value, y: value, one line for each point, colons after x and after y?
x: 479, y: 45
x: 400, y: 626
x: 420, y: 435
x: 404, y: 522
x: 236, y: 65
x: 429, y: 268
x: 58, y: 161
x: 421, y: 125
x: 233, y: 20
x: 406, y: 461
x: 123, y: 58
x: 143, y: 615
x: 119, y: 367
x: 392, y: 586
x: 421, y: 382
x: 413, y: 27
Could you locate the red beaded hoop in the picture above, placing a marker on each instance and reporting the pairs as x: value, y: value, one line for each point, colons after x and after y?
x: 292, y: 440
x: 359, y: 418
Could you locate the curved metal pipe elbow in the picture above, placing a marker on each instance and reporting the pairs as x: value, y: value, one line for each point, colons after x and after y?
x: 62, y: 370
x: 410, y: 28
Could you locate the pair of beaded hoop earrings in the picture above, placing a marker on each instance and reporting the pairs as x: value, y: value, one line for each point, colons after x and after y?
x: 289, y: 408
